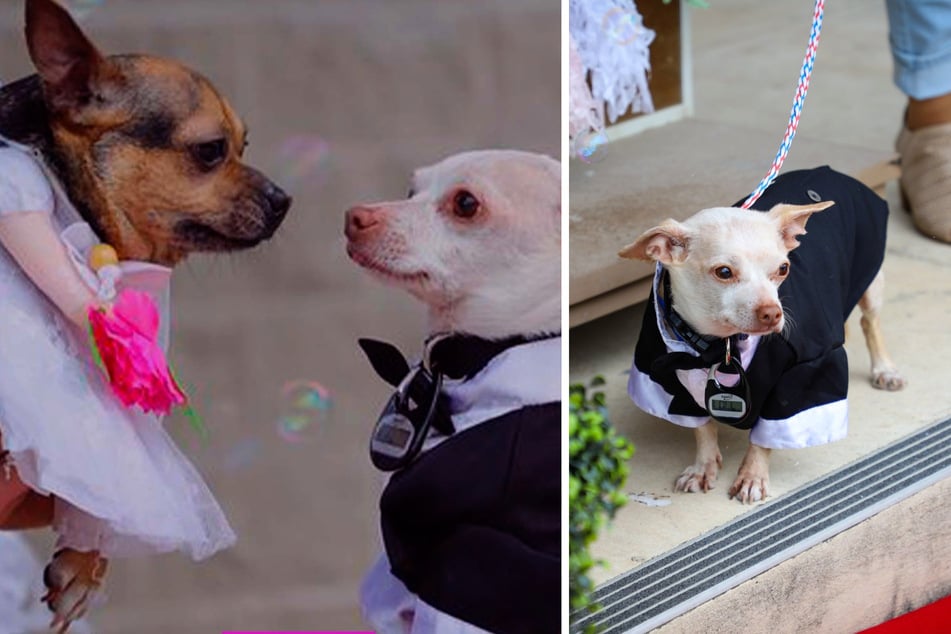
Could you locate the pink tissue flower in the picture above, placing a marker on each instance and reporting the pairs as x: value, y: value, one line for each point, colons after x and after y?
x: 126, y: 340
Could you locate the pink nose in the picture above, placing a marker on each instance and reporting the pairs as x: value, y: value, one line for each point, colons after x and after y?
x: 769, y: 314
x: 361, y: 222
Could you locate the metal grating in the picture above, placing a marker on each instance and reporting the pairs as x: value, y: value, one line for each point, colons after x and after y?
x: 676, y: 582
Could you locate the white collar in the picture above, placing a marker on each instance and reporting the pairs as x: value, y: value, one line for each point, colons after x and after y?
x: 520, y: 376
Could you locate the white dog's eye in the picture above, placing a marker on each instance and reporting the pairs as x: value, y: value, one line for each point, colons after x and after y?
x: 723, y: 272
x: 464, y: 204
x: 411, y: 193
x: 783, y: 269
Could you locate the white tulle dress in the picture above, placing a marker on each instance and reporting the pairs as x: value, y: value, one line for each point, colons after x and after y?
x: 121, y: 484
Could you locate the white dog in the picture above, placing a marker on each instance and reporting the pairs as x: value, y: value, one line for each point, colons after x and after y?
x: 470, y: 517
x: 737, y: 276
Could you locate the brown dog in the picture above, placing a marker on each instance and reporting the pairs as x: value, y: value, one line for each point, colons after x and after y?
x: 151, y: 156
x: 147, y: 149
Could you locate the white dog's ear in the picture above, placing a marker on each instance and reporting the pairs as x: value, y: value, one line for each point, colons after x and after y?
x: 666, y: 243
x: 792, y: 220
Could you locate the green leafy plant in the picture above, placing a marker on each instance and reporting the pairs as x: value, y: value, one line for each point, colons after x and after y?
x: 598, y: 458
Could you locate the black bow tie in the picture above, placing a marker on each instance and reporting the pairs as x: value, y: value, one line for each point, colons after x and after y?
x: 666, y: 364
x: 392, y: 366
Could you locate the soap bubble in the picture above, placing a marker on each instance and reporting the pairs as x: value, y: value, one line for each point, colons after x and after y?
x: 305, y: 405
x: 622, y: 25
x: 591, y: 146
x: 302, y: 157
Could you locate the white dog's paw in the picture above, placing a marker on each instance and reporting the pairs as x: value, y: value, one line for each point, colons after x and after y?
x: 749, y: 487
x: 888, y: 379
x: 699, y: 477
x: 72, y: 579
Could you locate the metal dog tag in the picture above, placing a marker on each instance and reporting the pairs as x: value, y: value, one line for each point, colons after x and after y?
x: 727, y: 404
x: 392, y: 439
x: 401, y: 429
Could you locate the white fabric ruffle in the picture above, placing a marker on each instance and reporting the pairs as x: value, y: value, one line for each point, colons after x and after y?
x: 613, y: 45
x: 585, y: 113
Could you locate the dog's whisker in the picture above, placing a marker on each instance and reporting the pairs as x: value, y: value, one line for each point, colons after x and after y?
x: 790, y: 323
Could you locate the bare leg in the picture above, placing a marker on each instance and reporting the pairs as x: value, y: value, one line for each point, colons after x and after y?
x: 12, y: 494
x: 928, y: 112
x: 34, y: 511
x: 12, y: 490
x: 702, y: 474
x: 885, y: 375
x: 752, y: 480
x: 20, y: 507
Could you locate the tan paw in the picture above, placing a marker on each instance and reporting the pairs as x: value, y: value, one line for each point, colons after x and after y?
x: 698, y: 478
x: 72, y: 580
x: 749, y: 488
x: 888, y: 379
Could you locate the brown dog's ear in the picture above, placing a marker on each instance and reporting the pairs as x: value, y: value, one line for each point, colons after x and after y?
x: 66, y: 60
x: 792, y: 220
x: 666, y: 243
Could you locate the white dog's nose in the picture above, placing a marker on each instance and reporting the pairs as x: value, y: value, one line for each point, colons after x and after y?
x: 360, y: 221
x: 769, y: 314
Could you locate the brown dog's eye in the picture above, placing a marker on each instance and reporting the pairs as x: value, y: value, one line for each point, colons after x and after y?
x: 723, y: 272
x: 465, y: 205
x: 783, y: 269
x: 210, y: 154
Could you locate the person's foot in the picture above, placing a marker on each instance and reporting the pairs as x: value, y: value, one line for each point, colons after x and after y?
x: 925, y: 148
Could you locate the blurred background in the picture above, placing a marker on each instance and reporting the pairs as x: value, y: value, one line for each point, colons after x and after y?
x: 343, y: 101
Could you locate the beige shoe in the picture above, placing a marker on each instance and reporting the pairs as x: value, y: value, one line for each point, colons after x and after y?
x: 926, y: 178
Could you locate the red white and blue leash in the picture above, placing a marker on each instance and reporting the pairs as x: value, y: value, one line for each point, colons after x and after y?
x: 798, y: 101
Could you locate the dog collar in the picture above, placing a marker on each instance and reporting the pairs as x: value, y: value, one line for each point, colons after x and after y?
x: 462, y: 356
x: 679, y: 326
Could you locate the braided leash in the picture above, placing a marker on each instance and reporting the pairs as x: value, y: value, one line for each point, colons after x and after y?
x: 798, y: 101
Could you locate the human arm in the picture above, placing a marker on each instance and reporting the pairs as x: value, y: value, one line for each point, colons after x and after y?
x: 32, y: 240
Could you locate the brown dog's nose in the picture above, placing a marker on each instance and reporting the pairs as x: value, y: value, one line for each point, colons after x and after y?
x: 278, y: 199
x: 769, y: 314
x: 359, y: 221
